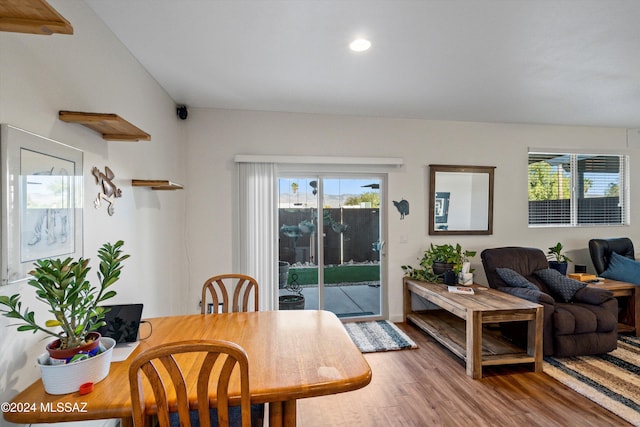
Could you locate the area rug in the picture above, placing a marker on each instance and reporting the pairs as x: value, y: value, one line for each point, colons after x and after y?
x: 380, y: 335
x: 611, y: 380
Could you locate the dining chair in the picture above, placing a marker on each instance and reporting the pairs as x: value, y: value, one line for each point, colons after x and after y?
x: 220, y: 287
x: 165, y: 376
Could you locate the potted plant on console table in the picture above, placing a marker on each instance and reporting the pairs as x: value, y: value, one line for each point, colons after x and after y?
x: 437, y: 261
x: 78, y: 354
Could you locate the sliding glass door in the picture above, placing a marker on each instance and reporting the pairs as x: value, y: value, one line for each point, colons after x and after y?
x: 330, y: 243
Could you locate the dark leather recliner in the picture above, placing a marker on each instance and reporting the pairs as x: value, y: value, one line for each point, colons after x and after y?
x: 601, y: 250
x: 588, y: 324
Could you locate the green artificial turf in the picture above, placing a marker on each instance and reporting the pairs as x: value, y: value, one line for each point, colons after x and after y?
x: 347, y: 273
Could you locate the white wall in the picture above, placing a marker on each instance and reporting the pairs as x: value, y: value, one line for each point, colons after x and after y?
x: 215, y: 136
x: 92, y: 71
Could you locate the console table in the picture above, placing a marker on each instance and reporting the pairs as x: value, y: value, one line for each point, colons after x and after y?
x: 457, y: 323
x: 628, y: 296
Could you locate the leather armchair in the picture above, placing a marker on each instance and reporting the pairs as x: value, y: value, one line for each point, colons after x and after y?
x: 601, y: 250
x: 588, y: 324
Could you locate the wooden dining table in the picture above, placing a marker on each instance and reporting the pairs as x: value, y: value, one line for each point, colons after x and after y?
x: 292, y: 355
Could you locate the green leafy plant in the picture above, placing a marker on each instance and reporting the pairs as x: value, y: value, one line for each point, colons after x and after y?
x: 71, y: 298
x: 555, y: 254
x: 447, y: 254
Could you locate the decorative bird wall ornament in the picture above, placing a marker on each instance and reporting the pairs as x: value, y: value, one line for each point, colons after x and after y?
x: 403, y: 207
x: 109, y: 191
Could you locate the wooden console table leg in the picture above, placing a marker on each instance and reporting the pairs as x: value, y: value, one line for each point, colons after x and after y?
x: 406, y: 300
x: 474, y: 344
x: 534, y: 339
x: 634, y: 307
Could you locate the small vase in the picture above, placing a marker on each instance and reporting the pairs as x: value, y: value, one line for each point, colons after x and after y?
x: 465, y: 279
x: 466, y: 267
x: 450, y: 277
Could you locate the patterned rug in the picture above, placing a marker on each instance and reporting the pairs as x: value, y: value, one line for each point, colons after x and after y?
x: 611, y: 380
x: 380, y: 335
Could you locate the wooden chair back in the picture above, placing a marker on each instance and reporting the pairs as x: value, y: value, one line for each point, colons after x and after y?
x: 220, y: 287
x: 169, y: 381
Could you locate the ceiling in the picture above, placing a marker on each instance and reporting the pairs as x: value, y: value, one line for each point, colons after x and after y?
x: 574, y: 62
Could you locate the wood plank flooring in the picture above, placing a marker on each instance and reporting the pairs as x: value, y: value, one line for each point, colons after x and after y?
x: 428, y: 387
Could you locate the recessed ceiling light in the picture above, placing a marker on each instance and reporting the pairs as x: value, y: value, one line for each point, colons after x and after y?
x: 360, y: 45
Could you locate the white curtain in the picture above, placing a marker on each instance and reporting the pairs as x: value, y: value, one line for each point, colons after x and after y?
x: 258, y: 228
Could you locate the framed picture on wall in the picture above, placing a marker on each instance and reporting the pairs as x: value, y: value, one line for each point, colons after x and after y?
x: 41, y: 201
x: 441, y: 209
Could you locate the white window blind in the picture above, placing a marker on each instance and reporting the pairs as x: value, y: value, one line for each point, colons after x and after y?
x: 569, y: 189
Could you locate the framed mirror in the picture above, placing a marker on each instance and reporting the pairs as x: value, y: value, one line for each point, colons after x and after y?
x: 460, y: 199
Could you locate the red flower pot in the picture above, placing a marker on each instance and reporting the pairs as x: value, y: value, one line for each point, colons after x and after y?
x: 63, y: 356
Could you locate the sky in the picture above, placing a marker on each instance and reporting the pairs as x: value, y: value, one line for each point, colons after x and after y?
x: 333, y: 188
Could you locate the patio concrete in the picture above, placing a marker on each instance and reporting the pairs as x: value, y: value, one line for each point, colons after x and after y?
x: 345, y: 300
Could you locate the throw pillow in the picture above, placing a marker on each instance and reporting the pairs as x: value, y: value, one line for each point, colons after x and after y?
x: 513, y: 278
x: 560, y: 284
x: 623, y: 269
x: 533, y: 295
x: 593, y: 296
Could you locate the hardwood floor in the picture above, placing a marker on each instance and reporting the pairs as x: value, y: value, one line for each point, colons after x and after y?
x: 428, y: 387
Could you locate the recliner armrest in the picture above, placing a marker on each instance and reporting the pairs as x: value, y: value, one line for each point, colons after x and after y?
x: 532, y: 295
x: 594, y: 296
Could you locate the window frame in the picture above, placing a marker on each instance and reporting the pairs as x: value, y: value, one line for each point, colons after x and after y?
x: 574, y: 212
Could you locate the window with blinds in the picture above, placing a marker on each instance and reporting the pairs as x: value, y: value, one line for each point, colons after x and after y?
x: 567, y: 190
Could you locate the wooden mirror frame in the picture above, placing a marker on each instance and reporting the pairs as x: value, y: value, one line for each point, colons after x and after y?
x: 433, y: 169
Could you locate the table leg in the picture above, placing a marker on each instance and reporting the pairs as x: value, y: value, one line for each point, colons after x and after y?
x: 275, y: 414
x: 534, y: 339
x: 282, y: 414
x: 290, y: 407
x: 634, y: 308
x: 474, y: 344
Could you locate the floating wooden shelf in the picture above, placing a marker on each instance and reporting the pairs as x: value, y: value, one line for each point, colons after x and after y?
x: 111, y: 126
x: 156, y: 184
x: 33, y: 17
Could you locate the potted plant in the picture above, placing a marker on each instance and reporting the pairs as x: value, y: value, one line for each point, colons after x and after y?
x: 437, y: 260
x: 557, y: 259
x: 73, y: 303
x: 294, y: 300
